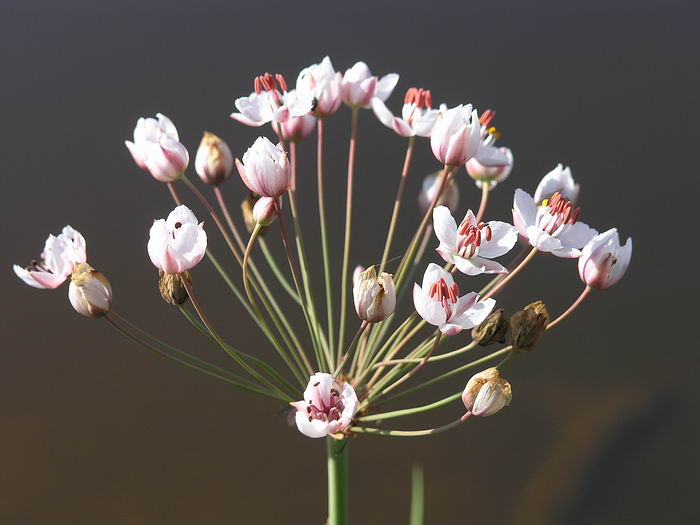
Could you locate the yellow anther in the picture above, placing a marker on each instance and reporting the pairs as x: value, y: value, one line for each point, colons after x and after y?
x: 493, y: 131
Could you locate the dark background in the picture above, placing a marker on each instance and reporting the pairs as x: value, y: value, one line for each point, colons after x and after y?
x: 603, y: 428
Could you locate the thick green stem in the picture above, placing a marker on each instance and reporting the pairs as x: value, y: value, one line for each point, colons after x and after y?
x: 337, y: 451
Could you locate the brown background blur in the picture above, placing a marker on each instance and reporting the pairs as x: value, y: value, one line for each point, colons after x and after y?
x: 603, y: 428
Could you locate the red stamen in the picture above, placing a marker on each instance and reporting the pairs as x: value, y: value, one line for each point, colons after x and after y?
x: 433, y: 289
x: 428, y: 99
x: 257, y: 85
x: 488, y: 233
x: 281, y: 82
x: 410, y: 96
x: 487, y: 117
x: 574, y: 217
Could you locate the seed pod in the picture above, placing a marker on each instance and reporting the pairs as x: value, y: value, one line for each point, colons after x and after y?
x: 493, y: 330
x: 172, y: 289
x: 527, y: 326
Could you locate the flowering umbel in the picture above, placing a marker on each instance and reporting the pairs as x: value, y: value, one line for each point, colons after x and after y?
x: 327, y: 408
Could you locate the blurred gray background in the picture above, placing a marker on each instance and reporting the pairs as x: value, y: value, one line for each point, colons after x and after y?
x: 603, y: 428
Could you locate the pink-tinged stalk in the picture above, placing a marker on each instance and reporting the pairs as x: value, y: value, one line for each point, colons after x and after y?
x: 485, y: 190
x: 397, y: 202
x: 512, y: 274
x: 324, y: 233
x: 173, y: 193
x: 571, y: 308
x: 348, y: 228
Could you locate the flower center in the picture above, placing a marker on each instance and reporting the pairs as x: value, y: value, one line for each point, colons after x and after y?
x: 470, y: 238
x: 561, y: 212
x: 271, y: 84
x: 489, y: 133
x: 420, y: 97
x: 446, y: 295
x: 327, y: 413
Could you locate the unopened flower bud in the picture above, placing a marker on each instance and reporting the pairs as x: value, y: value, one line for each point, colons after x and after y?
x: 264, y: 212
x: 90, y: 292
x: 528, y: 325
x: 486, y: 393
x: 172, y: 288
x: 375, y: 296
x: 492, y: 330
x: 265, y: 169
x: 449, y: 197
x: 214, y: 160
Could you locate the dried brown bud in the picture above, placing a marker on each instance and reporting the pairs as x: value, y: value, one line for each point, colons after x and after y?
x: 90, y: 292
x: 492, y: 330
x: 171, y: 287
x: 528, y: 325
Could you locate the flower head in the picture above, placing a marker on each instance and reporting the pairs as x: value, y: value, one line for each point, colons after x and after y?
x: 295, y: 129
x: 438, y: 302
x: 553, y: 226
x: 470, y: 246
x: 90, y: 292
x: 456, y: 135
x: 177, y: 243
x: 327, y: 407
x: 603, y: 261
x: 375, y: 295
x: 417, y: 116
x: 214, y: 160
x: 156, y: 148
x: 490, y: 165
x: 61, y: 254
x: 559, y: 180
x: 359, y: 87
x: 486, y: 393
x: 323, y: 84
x: 449, y: 196
x: 265, y: 169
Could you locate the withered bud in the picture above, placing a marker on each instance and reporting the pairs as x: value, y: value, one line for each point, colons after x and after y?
x: 171, y: 287
x: 247, y: 211
x: 492, y: 330
x: 90, y: 292
x: 527, y: 326
x: 214, y: 161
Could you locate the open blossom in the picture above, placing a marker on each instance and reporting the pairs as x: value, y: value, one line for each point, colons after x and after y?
x: 61, y: 253
x: 553, y: 226
x: 438, y: 302
x: 265, y: 169
x: 449, y: 197
x: 470, y: 246
x: 177, y: 243
x: 417, y: 115
x: 456, y: 135
x: 486, y: 393
x: 359, y: 87
x: 374, y: 295
x: 327, y: 407
x: 271, y: 102
x: 156, y: 148
x: 214, y: 160
x: 603, y: 261
x: 323, y: 83
x: 558, y: 180
x: 90, y: 292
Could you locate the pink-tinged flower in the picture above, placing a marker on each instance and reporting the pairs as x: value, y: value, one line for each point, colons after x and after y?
x: 470, y: 246
x: 356, y: 274
x: 490, y: 165
x: 214, y: 160
x: 327, y: 407
x: 61, y: 253
x: 323, y: 84
x: 456, y: 135
x: 296, y: 129
x: 359, y: 87
x: 603, y: 261
x: 177, y: 243
x: 271, y: 102
x: 90, y: 292
x: 486, y: 393
x: 449, y: 197
x: 553, y: 226
x: 265, y: 169
x: 438, y: 302
x: 264, y: 212
x: 417, y: 116
x: 374, y: 295
x: 156, y: 148
x: 558, y: 180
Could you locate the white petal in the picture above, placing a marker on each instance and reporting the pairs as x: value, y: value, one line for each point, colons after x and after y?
x: 503, y: 238
x: 386, y: 85
x: 524, y: 208
x: 576, y: 235
x: 313, y: 429
x: 541, y: 240
x: 445, y: 226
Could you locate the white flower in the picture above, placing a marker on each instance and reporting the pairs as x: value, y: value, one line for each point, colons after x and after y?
x: 359, y: 87
x: 322, y: 83
x: 603, y: 261
x: 61, y: 253
x: 490, y: 164
x: 449, y: 196
x: 327, y: 407
x: 265, y: 169
x: 557, y: 180
x: 177, y: 243
x: 438, y: 302
x: 456, y: 135
x: 417, y: 115
x: 553, y: 226
x: 374, y: 295
x: 90, y: 292
x: 486, y: 393
x: 470, y: 246
x: 156, y: 148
